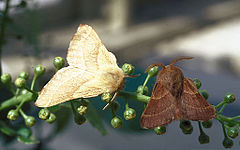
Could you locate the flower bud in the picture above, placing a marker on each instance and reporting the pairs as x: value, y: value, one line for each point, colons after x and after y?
x: 12, y: 115
x: 79, y: 119
x: 116, y: 122
x: 44, y: 114
x: 58, y: 62
x: 160, y: 130
x: 20, y: 83
x: 30, y: 121
x: 229, y: 98
x: 203, y: 138
x: 128, y: 69
x: 23, y: 75
x: 204, y: 94
x: 186, y: 127
x: 153, y: 71
x: 24, y: 132
x: 51, y: 118
x: 106, y: 97
x: 227, y: 143
x: 39, y: 70
x: 197, y: 83
x: 6, y: 78
x: 207, y: 124
x: 141, y: 90
x: 82, y: 109
x: 129, y: 114
x: 232, y: 132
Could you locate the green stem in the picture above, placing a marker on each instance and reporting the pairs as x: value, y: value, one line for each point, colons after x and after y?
x: 11, y: 89
x: 229, y: 120
x: 17, y: 100
x: 220, y: 104
x: 33, y: 81
x: 146, y: 80
x: 126, y: 104
x: 236, y: 117
x: 23, y: 114
x: 73, y: 108
x: 3, y: 30
x: 200, y: 127
x: 134, y: 96
x: 113, y: 112
x: 224, y: 131
x: 221, y: 110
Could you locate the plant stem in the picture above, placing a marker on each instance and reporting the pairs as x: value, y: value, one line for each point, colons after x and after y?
x: 134, y: 96
x: 220, y: 104
x: 2, y: 31
x: 200, y: 127
x: 17, y: 100
x: 221, y: 110
x: 33, y: 81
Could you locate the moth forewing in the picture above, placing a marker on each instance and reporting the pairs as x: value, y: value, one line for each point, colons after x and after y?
x: 175, y: 97
x: 93, y: 70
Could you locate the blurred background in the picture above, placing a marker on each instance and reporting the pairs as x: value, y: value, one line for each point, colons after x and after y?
x: 140, y: 32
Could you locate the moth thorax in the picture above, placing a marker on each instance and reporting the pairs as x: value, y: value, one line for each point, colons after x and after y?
x: 172, y: 79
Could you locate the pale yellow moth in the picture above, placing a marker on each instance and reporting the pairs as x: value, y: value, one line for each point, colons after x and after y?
x: 92, y: 71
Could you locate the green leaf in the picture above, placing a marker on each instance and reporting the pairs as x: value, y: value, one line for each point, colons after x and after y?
x: 25, y: 140
x: 95, y: 119
x: 4, y: 128
x: 54, y: 108
x: 63, y: 118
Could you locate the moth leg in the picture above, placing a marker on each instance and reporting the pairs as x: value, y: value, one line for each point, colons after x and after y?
x: 153, y: 65
x: 113, y: 98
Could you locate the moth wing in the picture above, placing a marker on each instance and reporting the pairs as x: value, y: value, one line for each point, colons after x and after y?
x: 86, y: 50
x: 160, y: 110
x: 193, y: 105
x: 62, y: 86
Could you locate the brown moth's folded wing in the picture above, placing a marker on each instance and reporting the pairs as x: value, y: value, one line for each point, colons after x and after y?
x: 160, y: 110
x: 193, y: 105
x: 62, y: 86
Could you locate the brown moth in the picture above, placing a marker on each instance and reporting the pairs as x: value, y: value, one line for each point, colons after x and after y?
x: 175, y: 98
x: 92, y: 71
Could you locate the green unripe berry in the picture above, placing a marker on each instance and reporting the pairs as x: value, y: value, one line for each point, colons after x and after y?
x: 51, y: 118
x: 115, y: 106
x: 58, y: 62
x: 106, y: 97
x: 79, y: 119
x: 185, y: 125
x: 24, y: 132
x: 82, y: 109
x: 229, y: 98
x: 39, y: 70
x: 232, y: 132
x: 160, y: 130
x: 44, y: 114
x: 203, y: 138
x: 141, y: 90
x: 207, y: 124
x: 204, y: 94
x: 129, y: 114
x: 116, y: 122
x: 197, y: 83
x: 30, y: 121
x: 20, y: 83
x: 12, y: 115
x: 227, y: 143
x: 153, y: 71
x: 24, y: 91
x: 128, y: 69
x: 187, y: 131
x: 6, y: 78
x: 23, y: 75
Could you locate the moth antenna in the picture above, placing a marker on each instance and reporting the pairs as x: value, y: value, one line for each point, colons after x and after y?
x: 178, y: 59
x: 154, y: 65
x: 113, y: 98
x: 132, y: 76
